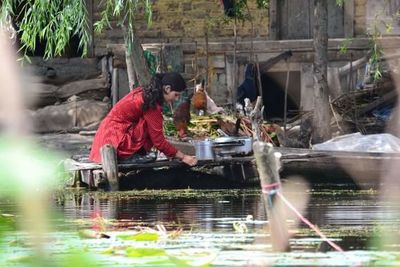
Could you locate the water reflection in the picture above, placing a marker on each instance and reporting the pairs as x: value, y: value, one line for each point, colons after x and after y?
x: 341, y: 214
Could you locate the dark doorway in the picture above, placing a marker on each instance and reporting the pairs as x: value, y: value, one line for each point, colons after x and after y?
x: 273, y: 84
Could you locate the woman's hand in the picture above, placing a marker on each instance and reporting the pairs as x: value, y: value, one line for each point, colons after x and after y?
x: 189, y: 160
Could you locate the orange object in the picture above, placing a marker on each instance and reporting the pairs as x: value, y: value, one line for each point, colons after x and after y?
x: 199, y: 99
x: 181, y: 118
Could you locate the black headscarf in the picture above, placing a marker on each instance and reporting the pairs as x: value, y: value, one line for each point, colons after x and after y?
x: 153, y: 94
x: 175, y: 80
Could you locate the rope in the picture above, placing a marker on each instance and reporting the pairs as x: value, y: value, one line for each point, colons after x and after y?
x: 268, y: 188
x: 312, y: 226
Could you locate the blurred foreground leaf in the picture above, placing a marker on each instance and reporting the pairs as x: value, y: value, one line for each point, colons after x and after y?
x: 142, y: 236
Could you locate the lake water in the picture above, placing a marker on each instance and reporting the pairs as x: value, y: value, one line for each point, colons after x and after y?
x: 226, y: 227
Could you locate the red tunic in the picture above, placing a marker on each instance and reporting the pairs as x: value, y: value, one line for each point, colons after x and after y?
x: 127, y: 128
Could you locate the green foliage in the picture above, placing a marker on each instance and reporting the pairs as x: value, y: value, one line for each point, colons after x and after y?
x: 240, y: 10
x: 262, y: 3
x: 54, y: 22
x: 343, y: 48
x: 125, y: 12
x: 375, y: 32
x: 340, y: 2
x: 376, y: 53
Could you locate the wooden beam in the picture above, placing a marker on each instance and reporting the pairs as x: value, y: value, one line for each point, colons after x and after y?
x: 352, y: 66
x: 273, y: 20
x: 387, y: 98
x: 222, y: 45
x: 348, y: 18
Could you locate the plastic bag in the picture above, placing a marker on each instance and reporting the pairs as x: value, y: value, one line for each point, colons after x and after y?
x: 362, y: 143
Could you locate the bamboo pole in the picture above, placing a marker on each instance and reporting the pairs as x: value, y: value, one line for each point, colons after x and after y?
x: 234, y: 89
x: 286, y: 96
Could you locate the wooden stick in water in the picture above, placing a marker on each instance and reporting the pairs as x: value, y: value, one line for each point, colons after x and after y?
x: 268, y: 170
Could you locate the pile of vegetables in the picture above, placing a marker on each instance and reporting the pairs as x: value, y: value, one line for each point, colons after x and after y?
x: 212, y: 126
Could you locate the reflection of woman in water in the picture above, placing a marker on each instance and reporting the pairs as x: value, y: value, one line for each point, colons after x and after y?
x: 135, y: 123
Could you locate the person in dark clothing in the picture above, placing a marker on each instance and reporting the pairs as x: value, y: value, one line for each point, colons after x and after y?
x: 248, y: 89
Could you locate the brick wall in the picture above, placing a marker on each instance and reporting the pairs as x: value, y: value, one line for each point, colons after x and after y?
x: 360, y: 11
x: 186, y: 21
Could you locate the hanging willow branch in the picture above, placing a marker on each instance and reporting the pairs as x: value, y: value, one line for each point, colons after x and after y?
x: 54, y: 22
x: 125, y: 13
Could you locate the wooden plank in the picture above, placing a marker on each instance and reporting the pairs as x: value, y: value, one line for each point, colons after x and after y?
x: 348, y: 18
x: 268, y: 46
x: 387, y: 98
x: 335, y: 20
x: 273, y: 20
x: 72, y: 165
x: 298, y: 17
x: 273, y: 46
x: 282, y: 20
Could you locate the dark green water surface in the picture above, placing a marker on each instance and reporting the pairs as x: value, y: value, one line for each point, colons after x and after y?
x: 217, y: 227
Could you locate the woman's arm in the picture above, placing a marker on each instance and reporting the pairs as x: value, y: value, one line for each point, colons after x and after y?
x: 154, y: 121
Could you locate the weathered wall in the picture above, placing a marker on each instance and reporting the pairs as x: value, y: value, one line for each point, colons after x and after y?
x: 360, y: 12
x: 184, y: 24
x: 186, y: 21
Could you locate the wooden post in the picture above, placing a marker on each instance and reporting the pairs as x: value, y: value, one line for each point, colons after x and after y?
x: 273, y: 21
x: 110, y: 166
x: 115, y: 86
x: 268, y: 170
x: 207, y: 59
x: 256, y: 118
x: 235, y: 81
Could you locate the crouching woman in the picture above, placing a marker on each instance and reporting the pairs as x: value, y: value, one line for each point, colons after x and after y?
x: 135, y: 124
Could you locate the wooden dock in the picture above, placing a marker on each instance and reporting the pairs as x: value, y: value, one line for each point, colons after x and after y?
x: 315, y: 166
x: 337, y: 166
x: 238, y: 169
x: 329, y: 166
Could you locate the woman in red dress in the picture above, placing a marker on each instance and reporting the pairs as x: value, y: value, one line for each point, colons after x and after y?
x: 135, y: 124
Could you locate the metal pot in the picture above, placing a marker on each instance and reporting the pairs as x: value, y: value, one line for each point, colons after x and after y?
x: 226, y: 141
x: 204, y: 149
x: 233, y: 145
